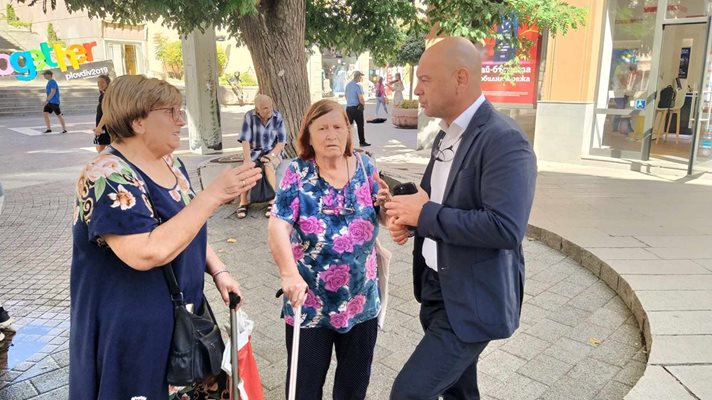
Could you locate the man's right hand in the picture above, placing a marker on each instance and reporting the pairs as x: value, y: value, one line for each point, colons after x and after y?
x: 232, y: 182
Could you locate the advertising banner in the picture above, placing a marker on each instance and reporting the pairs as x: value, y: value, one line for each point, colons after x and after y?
x: 522, y: 91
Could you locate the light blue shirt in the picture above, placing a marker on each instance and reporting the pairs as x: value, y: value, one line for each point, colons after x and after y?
x: 353, y: 89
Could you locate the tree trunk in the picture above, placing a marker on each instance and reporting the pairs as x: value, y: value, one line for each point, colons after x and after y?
x: 275, y: 37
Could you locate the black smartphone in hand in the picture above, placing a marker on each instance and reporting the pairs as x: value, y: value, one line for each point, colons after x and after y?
x: 405, y: 188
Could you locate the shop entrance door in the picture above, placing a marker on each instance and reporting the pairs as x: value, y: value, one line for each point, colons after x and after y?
x: 680, y: 99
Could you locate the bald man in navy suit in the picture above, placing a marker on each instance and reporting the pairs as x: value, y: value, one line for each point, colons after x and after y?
x: 470, y: 216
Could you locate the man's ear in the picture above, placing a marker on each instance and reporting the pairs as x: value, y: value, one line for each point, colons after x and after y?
x: 462, y: 75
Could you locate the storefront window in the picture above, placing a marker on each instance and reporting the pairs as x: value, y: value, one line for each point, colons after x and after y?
x: 688, y: 9
x: 625, y: 74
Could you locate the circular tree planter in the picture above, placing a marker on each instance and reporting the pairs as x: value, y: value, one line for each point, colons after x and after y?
x: 405, y: 117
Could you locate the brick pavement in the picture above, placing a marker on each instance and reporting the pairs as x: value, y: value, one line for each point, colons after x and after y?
x: 577, y: 337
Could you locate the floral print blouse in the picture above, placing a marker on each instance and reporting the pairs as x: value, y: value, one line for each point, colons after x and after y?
x: 335, y: 253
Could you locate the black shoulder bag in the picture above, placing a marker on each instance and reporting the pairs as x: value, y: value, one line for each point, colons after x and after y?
x: 196, y: 347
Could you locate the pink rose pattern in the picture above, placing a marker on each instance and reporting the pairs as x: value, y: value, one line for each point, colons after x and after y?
x: 335, y: 277
x: 311, y: 225
x: 339, y: 320
x: 355, y: 305
x: 297, y: 251
x: 363, y: 194
x: 343, y: 244
x: 328, y: 249
x: 361, y: 231
x: 371, y: 266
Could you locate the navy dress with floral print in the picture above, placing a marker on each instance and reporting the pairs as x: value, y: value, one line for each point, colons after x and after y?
x: 122, y: 318
x: 335, y: 254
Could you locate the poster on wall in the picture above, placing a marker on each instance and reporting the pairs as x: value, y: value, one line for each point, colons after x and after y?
x: 522, y: 91
x: 684, y: 62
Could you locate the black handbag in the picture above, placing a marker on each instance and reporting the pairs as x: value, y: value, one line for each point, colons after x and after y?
x: 262, y: 192
x: 196, y: 347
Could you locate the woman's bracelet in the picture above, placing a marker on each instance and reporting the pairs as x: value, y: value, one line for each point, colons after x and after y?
x: 219, y: 272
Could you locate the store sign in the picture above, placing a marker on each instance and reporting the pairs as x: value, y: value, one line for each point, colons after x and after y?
x: 522, y: 89
x: 25, y: 64
x: 640, y: 104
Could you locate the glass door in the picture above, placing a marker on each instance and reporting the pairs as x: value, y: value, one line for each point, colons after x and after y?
x: 680, y: 74
x: 626, y: 100
x: 701, y: 149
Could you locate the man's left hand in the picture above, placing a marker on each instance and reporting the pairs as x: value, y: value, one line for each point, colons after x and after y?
x: 406, y: 209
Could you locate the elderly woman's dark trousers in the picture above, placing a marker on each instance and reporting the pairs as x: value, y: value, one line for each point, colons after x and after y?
x: 354, y: 355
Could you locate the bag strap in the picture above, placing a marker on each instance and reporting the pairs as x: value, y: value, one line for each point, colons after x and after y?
x: 168, y: 274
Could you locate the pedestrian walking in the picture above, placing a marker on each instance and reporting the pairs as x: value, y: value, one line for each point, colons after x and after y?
x: 101, y: 135
x: 355, y: 104
x: 380, y: 89
x: 51, y: 103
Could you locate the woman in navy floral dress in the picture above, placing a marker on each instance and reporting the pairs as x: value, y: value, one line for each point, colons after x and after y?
x: 322, y: 235
x: 121, y: 310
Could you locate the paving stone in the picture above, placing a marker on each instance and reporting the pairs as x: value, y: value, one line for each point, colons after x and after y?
x: 549, y: 300
x: 663, y: 300
x: 545, y: 369
x: 614, y: 353
x: 568, y: 350
x: 631, y: 373
x: 51, y: 380
x: 681, y: 349
x: 548, y: 330
x: 500, y: 365
x: 568, y: 388
x: 696, y: 378
x: 525, y: 346
x: 569, y: 315
x: 18, y: 391
x: 613, y: 391
x: 658, y: 384
x: 57, y: 394
x: 593, y: 373
x: 519, y: 387
x: 681, y: 322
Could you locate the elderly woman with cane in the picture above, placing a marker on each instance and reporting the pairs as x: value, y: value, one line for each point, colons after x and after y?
x: 322, y: 235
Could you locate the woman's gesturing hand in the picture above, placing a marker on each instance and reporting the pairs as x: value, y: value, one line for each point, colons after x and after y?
x: 295, y: 289
x: 384, y: 195
x: 232, y: 182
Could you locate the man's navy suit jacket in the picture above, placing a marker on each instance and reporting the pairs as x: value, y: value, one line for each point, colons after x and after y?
x: 479, y: 227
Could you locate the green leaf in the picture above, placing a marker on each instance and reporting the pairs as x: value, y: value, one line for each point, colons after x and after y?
x: 116, y: 177
x: 99, y: 187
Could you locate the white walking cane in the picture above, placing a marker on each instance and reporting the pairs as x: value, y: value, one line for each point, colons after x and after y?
x: 295, y: 349
x: 295, y: 352
x: 234, y: 335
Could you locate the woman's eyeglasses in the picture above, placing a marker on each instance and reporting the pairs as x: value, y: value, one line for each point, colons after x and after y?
x: 176, y: 113
x: 340, y: 211
x: 446, y: 154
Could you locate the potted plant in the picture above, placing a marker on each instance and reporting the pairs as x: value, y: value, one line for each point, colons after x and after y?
x: 406, y: 114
